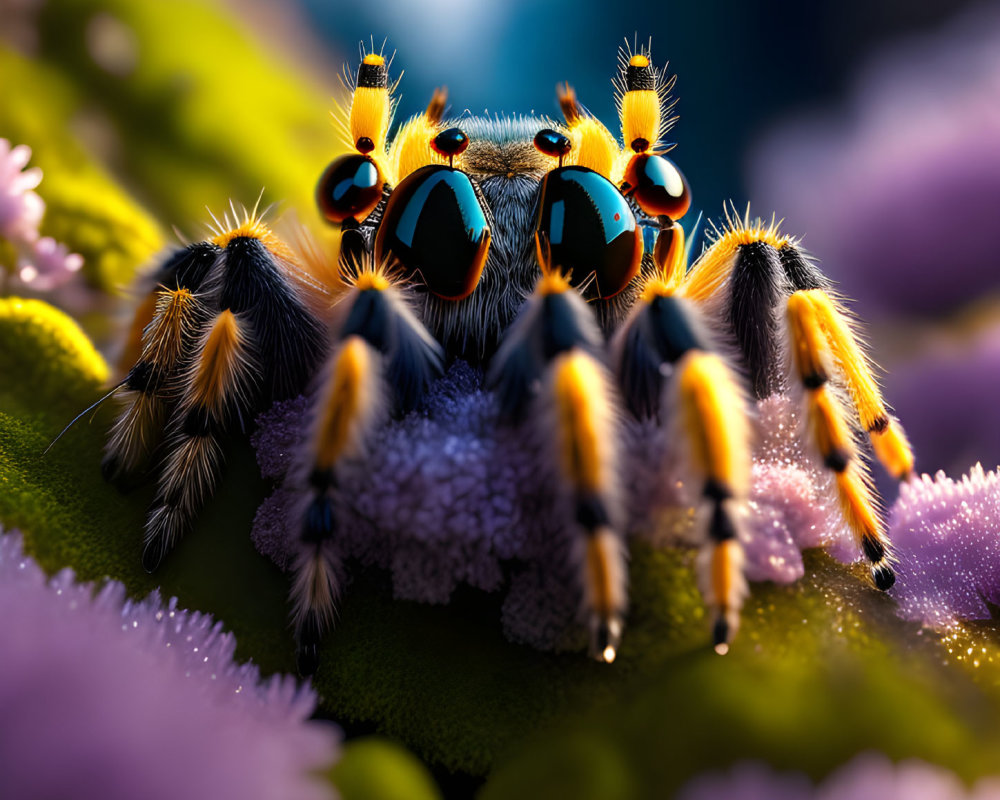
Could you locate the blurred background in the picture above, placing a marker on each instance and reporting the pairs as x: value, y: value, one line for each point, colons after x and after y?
x: 872, y: 128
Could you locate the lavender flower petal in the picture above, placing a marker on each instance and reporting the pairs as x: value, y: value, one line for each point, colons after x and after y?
x: 891, y: 192
x: 945, y: 535
x: 106, y: 697
x: 869, y: 775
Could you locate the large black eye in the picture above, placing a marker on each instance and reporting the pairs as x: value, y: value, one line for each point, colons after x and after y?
x: 657, y: 186
x: 435, y: 226
x: 349, y: 188
x: 591, y: 230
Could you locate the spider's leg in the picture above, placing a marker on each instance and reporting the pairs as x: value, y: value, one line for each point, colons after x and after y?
x: 221, y: 377
x: 548, y: 365
x: 151, y: 385
x: 384, y: 358
x: 887, y: 437
x: 164, y: 327
x: 259, y: 345
x: 834, y: 436
x: 664, y: 361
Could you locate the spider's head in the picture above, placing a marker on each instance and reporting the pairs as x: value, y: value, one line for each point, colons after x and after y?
x: 457, y: 204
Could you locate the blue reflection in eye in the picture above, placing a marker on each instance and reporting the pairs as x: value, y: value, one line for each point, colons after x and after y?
x: 556, y: 222
x: 650, y: 230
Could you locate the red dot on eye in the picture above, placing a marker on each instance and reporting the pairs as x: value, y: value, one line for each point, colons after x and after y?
x: 617, y: 217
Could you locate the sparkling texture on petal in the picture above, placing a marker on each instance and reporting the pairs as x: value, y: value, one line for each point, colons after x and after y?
x: 109, y: 697
x: 946, y: 539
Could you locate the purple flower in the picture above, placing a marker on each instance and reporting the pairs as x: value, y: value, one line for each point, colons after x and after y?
x: 451, y: 496
x: 48, y: 265
x: 21, y: 209
x: 945, y: 536
x: 106, y: 697
x: 947, y: 400
x: 870, y: 776
x: 898, y: 191
x: 43, y: 263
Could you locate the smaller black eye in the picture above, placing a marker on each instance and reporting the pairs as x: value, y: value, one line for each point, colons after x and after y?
x: 349, y: 188
x: 552, y: 143
x: 657, y: 186
x: 451, y: 142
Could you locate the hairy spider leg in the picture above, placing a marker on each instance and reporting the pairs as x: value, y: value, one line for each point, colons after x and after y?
x: 384, y: 359
x: 666, y: 370
x: 548, y: 373
x: 887, y: 437
x: 150, y: 386
x: 167, y: 321
x: 220, y: 379
x: 261, y: 345
x: 747, y: 279
x: 834, y: 437
x: 184, y: 268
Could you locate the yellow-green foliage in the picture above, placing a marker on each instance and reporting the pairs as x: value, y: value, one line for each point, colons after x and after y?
x: 86, y: 210
x: 44, y: 354
x: 819, y: 672
x: 204, y: 115
x: 374, y: 768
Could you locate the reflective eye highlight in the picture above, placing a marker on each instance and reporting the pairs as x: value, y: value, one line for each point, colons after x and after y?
x: 591, y: 230
x: 349, y: 188
x: 552, y: 143
x: 657, y: 186
x: 450, y: 143
x: 436, y: 228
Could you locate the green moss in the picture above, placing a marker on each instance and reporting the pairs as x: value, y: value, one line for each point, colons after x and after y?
x: 820, y: 671
x: 203, y: 115
x: 49, y: 372
x: 85, y: 209
x: 374, y: 768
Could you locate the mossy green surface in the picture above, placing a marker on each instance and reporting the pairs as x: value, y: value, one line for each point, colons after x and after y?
x: 820, y: 671
x: 85, y: 208
x: 199, y: 111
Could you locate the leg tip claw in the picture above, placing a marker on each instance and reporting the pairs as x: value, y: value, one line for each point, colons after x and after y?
x: 884, y: 577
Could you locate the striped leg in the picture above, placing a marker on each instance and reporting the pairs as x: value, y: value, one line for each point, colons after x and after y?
x: 221, y: 377
x: 663, y: 362
x: 548, y: 362
x: 381, y: 345
x: 151, y: 383
x: 834, y: 437
x: 887, y: 436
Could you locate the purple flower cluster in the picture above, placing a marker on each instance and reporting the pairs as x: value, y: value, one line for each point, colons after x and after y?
x: 43, y: 263
x: 898, y: 191
x: 945, y: 535
x: 109, y: 698
x: 868, y: 776
x: 452, y: 496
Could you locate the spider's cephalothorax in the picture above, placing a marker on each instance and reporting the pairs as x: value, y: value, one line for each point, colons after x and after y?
x: 547, y: 255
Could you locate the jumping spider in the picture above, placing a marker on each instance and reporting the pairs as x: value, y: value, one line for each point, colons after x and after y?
x: 550, y: 258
